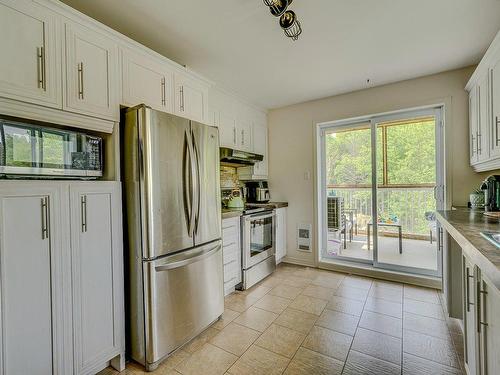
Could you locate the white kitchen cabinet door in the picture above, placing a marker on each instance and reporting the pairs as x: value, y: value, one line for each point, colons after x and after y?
x: 30, y: 257
x: 227, y: 130
x: 490, y: 327
x: 144, y: 81
x: 231, y: 253
x: 91, y: 73
x: 280, y: 234
x: 97, y: 265
x: 495, y: 101
x: 484, y: 126
x: 473, y: 125
x: 244, y: 134
x: 30, y: 63
x: 470, y: 332
x: 260, y: 147
x: 190, y: 98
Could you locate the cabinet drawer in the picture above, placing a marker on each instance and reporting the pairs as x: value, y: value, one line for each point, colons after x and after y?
x: 230, y: 255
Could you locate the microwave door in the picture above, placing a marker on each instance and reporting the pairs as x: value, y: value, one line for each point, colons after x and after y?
x: 19, y: 148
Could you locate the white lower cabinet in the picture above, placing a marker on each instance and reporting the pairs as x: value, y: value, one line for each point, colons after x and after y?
x: 280, y: 234
x: 481, y: 322
x: 97, y: 274
x: 61, y: 286
x: 231, y: 253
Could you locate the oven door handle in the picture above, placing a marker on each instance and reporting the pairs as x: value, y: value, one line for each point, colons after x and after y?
x: 259, y: 216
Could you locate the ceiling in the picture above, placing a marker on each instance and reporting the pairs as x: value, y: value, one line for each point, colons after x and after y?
x: 239, y: 45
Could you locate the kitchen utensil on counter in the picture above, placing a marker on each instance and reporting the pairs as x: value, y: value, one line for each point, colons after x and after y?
x: 236, y: 200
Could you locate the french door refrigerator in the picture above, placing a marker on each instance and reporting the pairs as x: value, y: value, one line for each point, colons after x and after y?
x: 170, y: 168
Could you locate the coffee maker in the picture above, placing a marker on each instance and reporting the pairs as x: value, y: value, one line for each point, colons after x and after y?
x: 257, y: 192
x: 491, y: 188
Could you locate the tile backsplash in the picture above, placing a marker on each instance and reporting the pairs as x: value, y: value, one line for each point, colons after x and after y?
x: 229, y: 178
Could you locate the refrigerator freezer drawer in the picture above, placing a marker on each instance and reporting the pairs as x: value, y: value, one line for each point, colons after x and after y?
x: 184, y: 295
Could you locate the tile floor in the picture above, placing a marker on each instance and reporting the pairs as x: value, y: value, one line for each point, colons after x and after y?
x: 307, y: 321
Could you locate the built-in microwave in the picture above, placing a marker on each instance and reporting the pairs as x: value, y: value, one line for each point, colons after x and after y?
x: 33, y: 151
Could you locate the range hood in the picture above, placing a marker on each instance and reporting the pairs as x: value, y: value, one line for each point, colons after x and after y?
x: 238, y: 158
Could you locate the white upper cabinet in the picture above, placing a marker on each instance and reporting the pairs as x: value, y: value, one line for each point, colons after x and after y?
x: 227, y: 129
x: 244, y: 133
x: 146, y: 81
x: 190, y: 98
x: 484, y: 111
x: 495, y: 109
x: 30, y: 63
x: 91, y: 72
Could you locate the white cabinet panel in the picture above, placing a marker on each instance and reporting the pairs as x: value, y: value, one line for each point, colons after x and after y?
x: 473, y: 125
x: 91, y: 67
x: 190, y: 98
x: 227, y: 130
x: 30, y: 66
x: 470, y: 336
x: 495, y: 100
x: 144, y: 81
x: 484, y: 126
x: 490, y: 327
x: 96, y: 270
x: 280, y: 234
x: 244, y: 134
x: 34, y: 328
x: 231, y: 250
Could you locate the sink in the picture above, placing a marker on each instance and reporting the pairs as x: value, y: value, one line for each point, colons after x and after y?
x: 493, y: 237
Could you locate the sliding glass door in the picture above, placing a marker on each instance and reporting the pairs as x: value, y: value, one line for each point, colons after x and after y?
x: 381, y: 183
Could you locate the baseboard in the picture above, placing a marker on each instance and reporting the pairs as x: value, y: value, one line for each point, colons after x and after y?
x: 298, y: 262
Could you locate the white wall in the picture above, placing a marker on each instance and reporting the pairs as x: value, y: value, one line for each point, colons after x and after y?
x: 292, y: 147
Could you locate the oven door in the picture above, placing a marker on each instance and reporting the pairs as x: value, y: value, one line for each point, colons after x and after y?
x: 258, y: 234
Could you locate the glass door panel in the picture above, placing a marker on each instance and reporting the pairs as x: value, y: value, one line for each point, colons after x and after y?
x: 406, y: 185
x: 347, y: 192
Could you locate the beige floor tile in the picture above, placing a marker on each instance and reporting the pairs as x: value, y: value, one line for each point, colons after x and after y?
x: 346, y: 305
x: 378, y: 345
x: 209, y: 360
x: 239, y: 302
x: 383, y: 306
x: 388, y: 284
x: 431, y: 348
x: 271, y: 281
x: 338, y: 321
x: 227, y: 317
x: 307, y: 362
x: 328, y: 280
x: 200, y: 340
x: 273, y: 303
x: 256, y: 318
x: 413, y: 365
x: 256, y: 292
x: 426, y: 325
x: 175, y: 359
x: 281, y: 340
x: 389, y: 294
x: 297, y: 320
x: 422, y: 294
x: 307, y: 273
x: 317, y: 291
x: 328, y: 342
x: 351, y: 293
x: 382, y: 323
x: 362, y: 364
x: 299, y: 282
x: 309, y: 304
x: 259, y: 361
x: 430, y: 310
x: 358, y: 282
x: 235, y: 338
x: 286, y: 291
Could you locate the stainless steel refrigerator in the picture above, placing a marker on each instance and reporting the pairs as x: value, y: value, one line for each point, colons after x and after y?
x: 172, y: 203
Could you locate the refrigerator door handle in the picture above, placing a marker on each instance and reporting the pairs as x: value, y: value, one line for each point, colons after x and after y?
x: 197, y: 193
x: 188, y: 260
x: 191, y: 184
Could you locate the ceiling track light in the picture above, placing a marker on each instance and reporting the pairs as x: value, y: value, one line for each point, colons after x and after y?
x: 287, y: 18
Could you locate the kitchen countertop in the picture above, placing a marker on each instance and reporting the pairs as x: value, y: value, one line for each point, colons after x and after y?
x: 465, y: 227
x: 228, y: 213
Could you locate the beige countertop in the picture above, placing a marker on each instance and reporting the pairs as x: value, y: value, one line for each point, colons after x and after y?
x: 228, y: 213
x: 465, y: 227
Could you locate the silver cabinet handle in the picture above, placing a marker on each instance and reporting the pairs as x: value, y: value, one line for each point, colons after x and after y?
x: 163, y: 94
x: 481, y: 295
x: 80, y: 81
x: 472, y: 144
x: 243, y: 137
x: 83, y: 212
x: 479, y: 148
x: 41, y: 67
x: 182, y: 98
x: 234, y: 135
x: 497, y: 122
x: 467, y: 288
x: 45, y: 218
